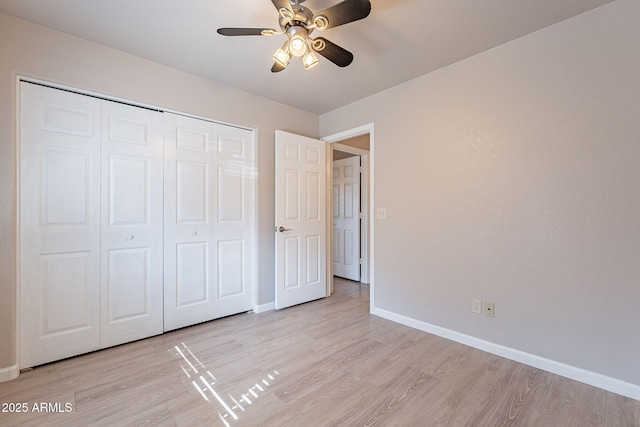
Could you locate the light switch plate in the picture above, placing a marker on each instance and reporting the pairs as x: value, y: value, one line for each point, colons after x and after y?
x: 381, y: 213
x: 476, y: 306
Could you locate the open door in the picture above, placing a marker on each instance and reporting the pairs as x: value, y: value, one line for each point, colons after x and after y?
x: 346, y: 218
x: 300, y: 219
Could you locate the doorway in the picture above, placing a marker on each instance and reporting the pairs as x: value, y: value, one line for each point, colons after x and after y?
x: 355, y: 142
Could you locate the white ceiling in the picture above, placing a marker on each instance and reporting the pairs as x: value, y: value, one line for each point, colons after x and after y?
x: 400, y: 40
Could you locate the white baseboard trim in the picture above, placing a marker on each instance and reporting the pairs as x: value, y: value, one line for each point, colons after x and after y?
x: 578, y: 374
x: 264, y: 307
x: 9, y: 373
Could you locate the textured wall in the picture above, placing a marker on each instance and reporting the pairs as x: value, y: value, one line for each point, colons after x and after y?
x: 34, y: 51
x: 513, y: 177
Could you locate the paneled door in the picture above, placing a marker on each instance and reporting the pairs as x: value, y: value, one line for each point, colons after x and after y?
x: 210, y: 181
x: 346, y: 218
x: 300, y: 219
x: 131, y: 232
x: 90, y: 224
x: 59, y: 224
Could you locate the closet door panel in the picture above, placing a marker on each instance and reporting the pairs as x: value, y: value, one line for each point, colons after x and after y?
x: 188, y: 226
x: 192, y: 274
x: 59, y: 249
x: 234, y: 225
x: 191, y: 193
x: 231, y: 266
x: 132, y: 215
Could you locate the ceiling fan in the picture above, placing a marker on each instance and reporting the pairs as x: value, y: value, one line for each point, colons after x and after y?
x: 298, y: 22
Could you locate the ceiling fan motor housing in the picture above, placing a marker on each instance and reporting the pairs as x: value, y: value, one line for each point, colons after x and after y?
x: 302, y: 17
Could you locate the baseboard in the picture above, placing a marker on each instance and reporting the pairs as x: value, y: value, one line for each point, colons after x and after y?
x: 9, y: 373
x: 588, y: 377
x: 264, y: 307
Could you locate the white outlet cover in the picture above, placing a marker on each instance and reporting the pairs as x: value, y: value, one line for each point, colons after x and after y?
x: 489, y: 309
x: 381, y: 213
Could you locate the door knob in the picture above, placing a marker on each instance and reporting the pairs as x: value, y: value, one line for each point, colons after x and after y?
x: 282, y: 229
x: 130, y: 237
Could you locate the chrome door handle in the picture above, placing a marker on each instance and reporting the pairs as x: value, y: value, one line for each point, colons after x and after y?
x: 282, y: 229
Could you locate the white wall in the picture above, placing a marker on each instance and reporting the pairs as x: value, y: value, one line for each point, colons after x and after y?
x: 31, y: 50
x: 514, y: 177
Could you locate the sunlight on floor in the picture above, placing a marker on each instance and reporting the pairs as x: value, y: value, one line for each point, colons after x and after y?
x: 194, y: 369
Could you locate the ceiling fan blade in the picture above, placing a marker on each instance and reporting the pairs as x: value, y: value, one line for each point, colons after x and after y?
x: 245, y: 31
x: 334, y: 53
x: 342, y: 13
x: 282, y: 4
x: 277, y: 68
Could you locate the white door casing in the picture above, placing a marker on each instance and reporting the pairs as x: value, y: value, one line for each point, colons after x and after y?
x: 346, y: 218
x: 131, y: 231
x: 300, y: 219
x: 210, y: 182
x: 59, y: 224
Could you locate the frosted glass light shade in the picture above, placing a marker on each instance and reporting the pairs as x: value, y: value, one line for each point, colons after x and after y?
x: 282, y: 57
x: 298, y: 46
x: 310, y: 60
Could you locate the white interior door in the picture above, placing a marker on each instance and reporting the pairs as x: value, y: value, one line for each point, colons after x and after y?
x: 300, y: 219
x: 131, y: 232
x: 346, y: 218
x: 210, y: 181
x: 59, y: 224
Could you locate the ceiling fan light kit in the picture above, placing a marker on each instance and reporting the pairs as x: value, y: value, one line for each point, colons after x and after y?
x: 282, y: 55
x: 297, y: 22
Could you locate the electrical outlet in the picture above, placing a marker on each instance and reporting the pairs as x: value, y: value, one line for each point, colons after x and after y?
x: 381, y: 213
x: 476, y: 306
x: 489, y: 309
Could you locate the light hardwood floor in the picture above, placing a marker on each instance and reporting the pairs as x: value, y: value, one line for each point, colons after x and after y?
x: 325, y: 363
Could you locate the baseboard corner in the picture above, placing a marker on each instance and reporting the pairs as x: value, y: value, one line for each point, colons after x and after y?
x: 264, y: 307
x: 9, y: 373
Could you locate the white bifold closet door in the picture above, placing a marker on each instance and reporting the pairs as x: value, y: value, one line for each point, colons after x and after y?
x: 209, y: 252
x: 131, y: 229
x: 90, y: 224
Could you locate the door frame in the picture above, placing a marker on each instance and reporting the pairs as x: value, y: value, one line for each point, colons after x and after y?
x: 367, y: 192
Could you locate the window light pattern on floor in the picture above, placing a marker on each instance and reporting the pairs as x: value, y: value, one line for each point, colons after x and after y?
x: 204, y: 381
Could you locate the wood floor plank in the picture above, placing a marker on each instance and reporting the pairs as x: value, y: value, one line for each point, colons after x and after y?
x: 301, y: 383
x: 391, y: 399
x: 326, y: 363
x: 560, y: 401
x: 622, y: 411
x: 590, y: 408
x: 159, y: 416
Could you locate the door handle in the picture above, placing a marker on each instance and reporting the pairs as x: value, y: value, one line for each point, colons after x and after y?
x: 282, y: 229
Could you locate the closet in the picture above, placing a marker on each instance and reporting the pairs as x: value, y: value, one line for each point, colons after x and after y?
x: 128, y: 217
